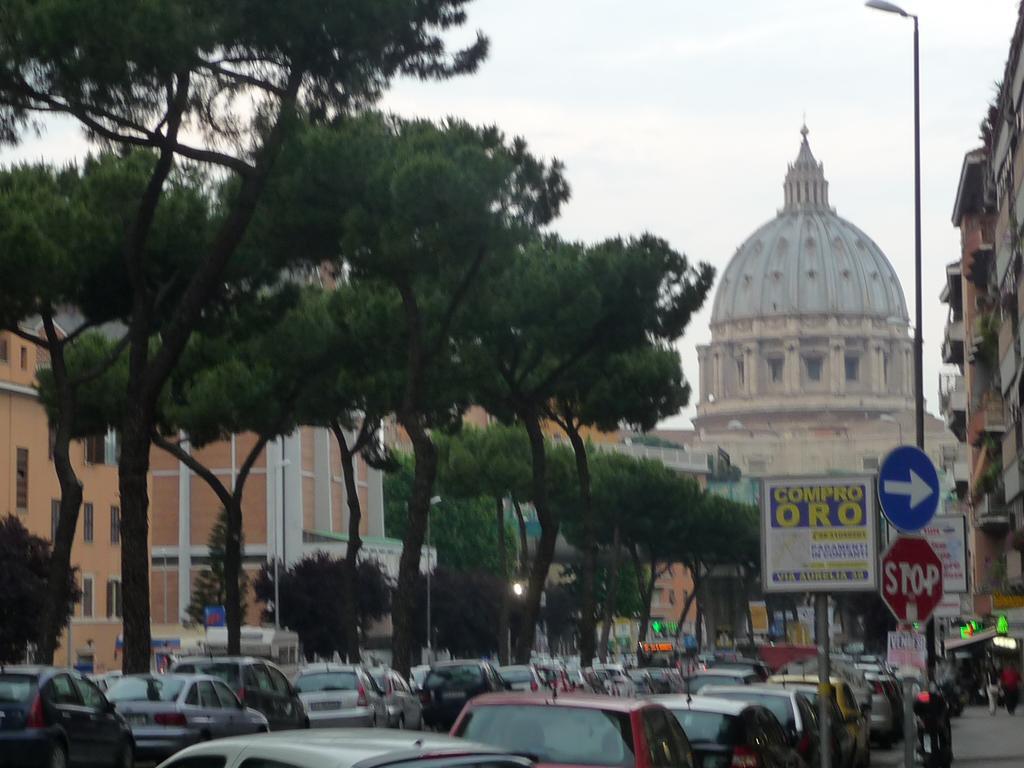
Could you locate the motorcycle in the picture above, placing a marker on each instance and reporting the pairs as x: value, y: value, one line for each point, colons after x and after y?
x: 954, y: 697
x: 934, y: 733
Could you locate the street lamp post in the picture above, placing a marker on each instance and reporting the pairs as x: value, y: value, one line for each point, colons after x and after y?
x: 434, y: 501
x: 279, y: 544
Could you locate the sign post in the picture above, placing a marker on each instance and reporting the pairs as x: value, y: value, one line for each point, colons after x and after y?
x: 819, y: 535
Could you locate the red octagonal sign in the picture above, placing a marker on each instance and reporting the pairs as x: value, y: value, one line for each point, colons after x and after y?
x: 911, y: 579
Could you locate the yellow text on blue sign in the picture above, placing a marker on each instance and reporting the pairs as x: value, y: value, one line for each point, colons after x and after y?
x: 839, y: 505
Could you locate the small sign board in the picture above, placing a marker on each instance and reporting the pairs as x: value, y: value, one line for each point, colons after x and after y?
x: 819, y: 534
x: 907, y: 649
x: 214, y: 616
x: 908, y: 488
x: 946, y: 534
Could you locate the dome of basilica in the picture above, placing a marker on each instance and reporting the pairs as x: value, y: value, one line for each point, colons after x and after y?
x: 808, y: 261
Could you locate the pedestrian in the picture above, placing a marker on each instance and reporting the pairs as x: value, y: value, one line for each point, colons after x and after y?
x: 992, y: 687
x: 1010, y: 679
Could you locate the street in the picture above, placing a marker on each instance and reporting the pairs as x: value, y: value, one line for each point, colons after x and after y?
x: 979, y: 740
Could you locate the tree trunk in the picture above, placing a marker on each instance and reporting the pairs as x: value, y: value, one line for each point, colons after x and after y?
x: 524, y: 548
x: 133, y: 474
x: 350, y: 612
x: 588, y: 603
x: 402, y: 613
x: 646, y: 593
x: 233, y: 573
x: 503, y: 609
x: 612, y: 593
x: 53, y: 617
x: 697, y: 579
x: 699, y: 628
x: 548, y: 520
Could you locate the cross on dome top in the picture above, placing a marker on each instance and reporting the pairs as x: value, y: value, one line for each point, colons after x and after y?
x: 805, y: 186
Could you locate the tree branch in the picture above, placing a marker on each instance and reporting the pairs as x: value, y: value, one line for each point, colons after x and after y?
x: 458, y: 296
x: 178, y: 451
x: 31, y: 338
x: 247, y: 465
x: 98, y: 370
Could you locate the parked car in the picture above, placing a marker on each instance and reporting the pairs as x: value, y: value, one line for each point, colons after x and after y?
x: 844, y: 743
x: 580, y: 730
x: 553, y: 675
x: 731, y: 734
x: 749, y: 666
x: 852, y: 712
x: 417, y: 675
x: 791, y: 708
x: 56, y: 717
x: 642, y: 682
x: 257, y: 682
x: 696, y: 682
x: 346, y: 749
x: 404, y: 709
x: 170, y: 712
x: 521, y: 677
x: 341, y: 696
x: 594, y: 682
x: 666, y: 680
x: 450, y: 684
x: 882, y: 719
x: 615, y: 679
x: 106, y: 679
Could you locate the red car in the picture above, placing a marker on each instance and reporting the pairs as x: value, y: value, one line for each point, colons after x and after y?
x: 577, y: 730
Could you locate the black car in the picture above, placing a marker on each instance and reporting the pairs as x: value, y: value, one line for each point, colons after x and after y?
x: 55, y: 718
x: 258, y: 683
x: 450, y: 684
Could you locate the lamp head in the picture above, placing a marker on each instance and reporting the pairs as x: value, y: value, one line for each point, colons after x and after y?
x: 882, y: 5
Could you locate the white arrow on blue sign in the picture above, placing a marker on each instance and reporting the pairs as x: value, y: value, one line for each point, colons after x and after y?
x: 908, y: 488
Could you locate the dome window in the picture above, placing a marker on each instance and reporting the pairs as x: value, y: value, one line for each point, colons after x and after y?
x: 813, y: 366
x: 852, y: 368
x: 776, y: 366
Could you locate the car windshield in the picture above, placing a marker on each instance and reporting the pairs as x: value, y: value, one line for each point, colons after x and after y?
x: 515, y: 674
x: 456, y: 676
x: 780, y: 706
x: 576, y: 735
x: 548, y: 675
x: 16, y: 689
x: 707, y: 727
x: 146, y: 689
x: 695, y: 683
x: 314, y: 682
x: 380, y: 679
x: 226, y: 672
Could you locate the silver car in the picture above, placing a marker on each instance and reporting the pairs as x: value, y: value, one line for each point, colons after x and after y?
x: 340, y: 696
x: 882, y: 718
x: 170, y: 712
x: 404, y: 707
x: 521, y: 677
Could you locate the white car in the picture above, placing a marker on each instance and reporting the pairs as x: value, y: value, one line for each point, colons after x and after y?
x: 615, y: 677
x: 357, y: 748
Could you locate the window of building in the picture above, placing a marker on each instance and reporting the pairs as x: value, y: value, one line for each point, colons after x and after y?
x: 114, y: 599
x: 885, y: 370
x: 87, y: 522
x: 740, y: 371
x: 111, y: 448
x: 3, y: 350
x: 24, y: 358
x: 88, y: 597
x: 813, y: 365
x: 94, y: 449
x: 775, y: 369
x: 54, y: 518
x: 852, y: 368
x: 21, y: 480
x: 115, y: 525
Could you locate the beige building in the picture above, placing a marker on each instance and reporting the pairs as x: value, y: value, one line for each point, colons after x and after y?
x: 810, y: 366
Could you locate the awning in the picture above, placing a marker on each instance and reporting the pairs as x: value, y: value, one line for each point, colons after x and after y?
x: 979, y: 637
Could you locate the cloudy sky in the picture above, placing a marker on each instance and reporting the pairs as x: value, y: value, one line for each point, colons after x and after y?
x: 678, y: 117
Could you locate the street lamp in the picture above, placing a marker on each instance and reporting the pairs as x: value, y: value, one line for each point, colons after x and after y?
x: 279, y: 544
x: 434, y: 501
x: 517, y: 588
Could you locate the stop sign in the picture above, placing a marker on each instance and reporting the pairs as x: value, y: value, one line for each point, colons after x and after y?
x: 911, y: 579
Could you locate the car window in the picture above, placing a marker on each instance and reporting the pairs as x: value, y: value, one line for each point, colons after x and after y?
x: 663, y: 746
x: 279, y: 681
x: 185, y: 669
x: 225, y: 695
x: 63, y: 691
x: 192, y: 698
x: 772, y: 730
x: 457, y: 676
x: 560, y: 734
x: 16, y: 689
x: 707, y: 727
x: 807, y: 716
x: 380, y: 678
x: 753, y: 727
x: 163, y: 688
x: 780, y: 706
x: 226, y: 671
x: 263, y: 681
x: 199, y: 761
x: 516, y: 674
x: 314, y: 682
x: 91, y: 695
x: 249, y: 676
x: 207, y: 696
x: 398, y: 683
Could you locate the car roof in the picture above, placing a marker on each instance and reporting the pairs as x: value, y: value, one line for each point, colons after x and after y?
x: 30, y: 669
x: 701, y: 703
x: 579, y: 700
x: 329, y: 666
x: 808, y: 678
x: 347, y: 746
x: 788, y: 693
x: 456, y: 663
x: 222, y: 660
x: 712, y: 672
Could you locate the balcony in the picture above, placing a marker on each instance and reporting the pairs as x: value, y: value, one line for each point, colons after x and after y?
x: 978, y: 263
x: 952, y: 291
x: 953, y: 403
x: 953, y: 343
x: 992, y: 515
x: 697, y: 462
x: 1008, y: 365
x: 987, y: 418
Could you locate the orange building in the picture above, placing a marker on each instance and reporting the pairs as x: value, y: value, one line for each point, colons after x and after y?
x: 29, y: 490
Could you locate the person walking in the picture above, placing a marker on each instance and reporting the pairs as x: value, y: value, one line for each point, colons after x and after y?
x: 1010, y: 679
x: 992, y: 687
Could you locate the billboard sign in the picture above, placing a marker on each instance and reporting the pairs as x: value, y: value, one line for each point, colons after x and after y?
x: 907, y: 649
x: 946, y: 534
x: 819, y: 534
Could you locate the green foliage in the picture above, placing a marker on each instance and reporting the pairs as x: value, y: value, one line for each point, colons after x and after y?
x: 493, y: 462
x: 463, y: 531
x: 24, y: 570
x: 209, y: 588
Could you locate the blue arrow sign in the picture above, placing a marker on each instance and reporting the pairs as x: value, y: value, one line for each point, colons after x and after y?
x: 908, y: 488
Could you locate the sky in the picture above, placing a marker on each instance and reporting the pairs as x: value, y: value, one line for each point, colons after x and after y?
x: 678, y: 117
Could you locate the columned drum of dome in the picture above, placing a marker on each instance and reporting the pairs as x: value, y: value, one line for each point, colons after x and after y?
x: 809, y: 320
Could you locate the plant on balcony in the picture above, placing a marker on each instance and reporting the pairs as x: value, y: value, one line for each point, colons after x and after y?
x: 988, y: 340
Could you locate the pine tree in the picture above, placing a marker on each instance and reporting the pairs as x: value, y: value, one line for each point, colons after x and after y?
x: 209, y: 588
